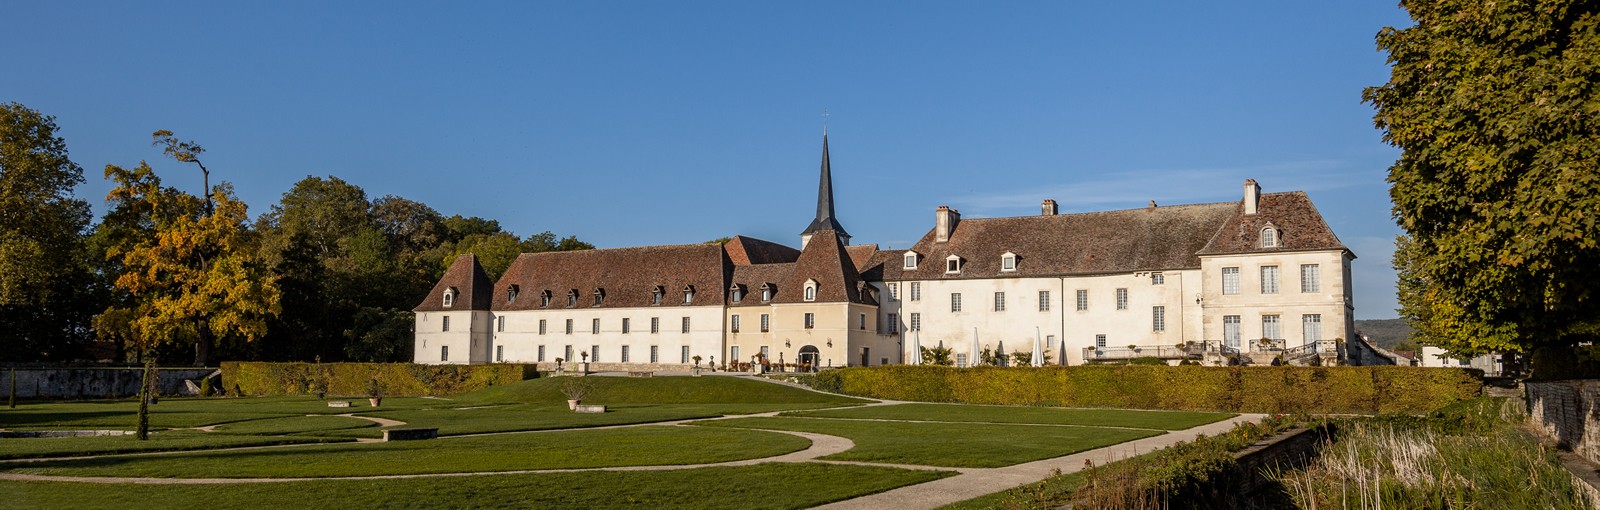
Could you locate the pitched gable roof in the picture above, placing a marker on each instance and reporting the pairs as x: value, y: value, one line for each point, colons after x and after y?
x: 466, y: 276
x: 1300, y: 227
x: 775, y: 276
x: 1152, y: 238
x: 629, y: 276
x: 749, y: 250
x: 825, y: 261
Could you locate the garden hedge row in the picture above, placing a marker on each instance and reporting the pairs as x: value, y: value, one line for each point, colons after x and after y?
x: 354, y: 379
x: 1233, y: 389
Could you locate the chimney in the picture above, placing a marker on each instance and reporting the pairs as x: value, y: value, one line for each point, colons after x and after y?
x: 945, y: 220
x: 1252, y: 196
x: 1049, y: 208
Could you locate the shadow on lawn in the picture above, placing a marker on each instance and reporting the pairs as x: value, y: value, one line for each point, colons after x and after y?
x: 268, y: 454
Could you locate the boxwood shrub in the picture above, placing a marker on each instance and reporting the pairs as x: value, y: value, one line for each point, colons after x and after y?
x: 352, y: 379
x: 1196, y: 388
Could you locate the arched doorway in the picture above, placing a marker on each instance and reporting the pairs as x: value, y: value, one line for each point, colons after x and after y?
x: 809, y: 357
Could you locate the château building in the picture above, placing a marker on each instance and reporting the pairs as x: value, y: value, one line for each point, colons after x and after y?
x: 1255, y: 281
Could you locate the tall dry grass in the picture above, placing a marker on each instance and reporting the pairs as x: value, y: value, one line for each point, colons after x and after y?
x: 1473, y: 459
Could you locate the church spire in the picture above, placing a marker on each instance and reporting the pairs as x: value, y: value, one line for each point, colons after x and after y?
x: 825, y: 219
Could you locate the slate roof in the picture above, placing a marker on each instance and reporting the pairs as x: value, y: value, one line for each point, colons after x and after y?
x: 1151, y: 238
x: 749, y: 250
x: 473, y: 288
x: 1300, y: 227
x: 629, y: 276
x: 825, y: 219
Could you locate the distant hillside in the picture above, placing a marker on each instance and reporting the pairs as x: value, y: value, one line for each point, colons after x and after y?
x: 1384, y: 332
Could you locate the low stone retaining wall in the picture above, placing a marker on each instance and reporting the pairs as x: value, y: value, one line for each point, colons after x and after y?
x: 94, y: 382
x: 416, y: 434
x: 1568, y: 412
x: 1289, y: 450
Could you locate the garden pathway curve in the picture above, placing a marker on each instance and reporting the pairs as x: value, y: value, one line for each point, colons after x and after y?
x: 974, y: 482
x: 821, y: 445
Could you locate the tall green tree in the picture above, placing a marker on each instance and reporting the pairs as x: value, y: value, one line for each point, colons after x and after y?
x: 45, y: 282
x: 1496, y: 109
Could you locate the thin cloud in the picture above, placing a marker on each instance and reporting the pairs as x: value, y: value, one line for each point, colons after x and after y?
x: 1168, y: 186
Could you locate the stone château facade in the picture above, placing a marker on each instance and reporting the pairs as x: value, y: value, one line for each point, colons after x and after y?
x: 1260, y: 280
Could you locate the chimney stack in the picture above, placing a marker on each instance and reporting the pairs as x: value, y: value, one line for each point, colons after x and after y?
x: 945, y: 220
x: 1049, y: 208
x: 1252, y: 196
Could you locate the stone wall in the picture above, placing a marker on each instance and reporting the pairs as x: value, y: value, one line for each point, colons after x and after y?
x: 1289, y: 450
x: 1568, y: 412
x: 90, y: 383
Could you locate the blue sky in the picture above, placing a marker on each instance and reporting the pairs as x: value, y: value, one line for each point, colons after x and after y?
x: 634, y: 123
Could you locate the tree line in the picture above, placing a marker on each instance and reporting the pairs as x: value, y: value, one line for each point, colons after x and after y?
x: 326, y: 273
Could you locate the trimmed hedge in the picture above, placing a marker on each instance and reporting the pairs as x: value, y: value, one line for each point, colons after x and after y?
x: 353, y: 379
x: 1190, y: 388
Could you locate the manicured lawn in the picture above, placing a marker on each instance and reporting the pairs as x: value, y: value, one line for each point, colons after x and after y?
x: 182, y: 412
x: 658, y: 390
x: 294, y: 425
x: 521, y: 417
x: 635, y: 446
x: 174, y: 440
x: 764, y: 486
x: 946, y: 444
x: 1164, y: 420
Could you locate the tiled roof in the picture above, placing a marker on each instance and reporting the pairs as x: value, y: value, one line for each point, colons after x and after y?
x: 1300, y: 227
x: 749, y: 250
x: 861, y: 255
x: 629, y: 276
x: 752, y: 277
x: 472, y: 285
x: 1151, y: 238
x: 824, y: 260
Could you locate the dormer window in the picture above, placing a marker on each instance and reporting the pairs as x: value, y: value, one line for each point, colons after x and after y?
x: 450, y: 297
x: 688, y: 294
x: 511, y: 294
x: 736, y: 293
x: 911, y: 260
x: 1269, y: 236
x: 572, y: 298
x: 811, y: 290
x: 599, y: 296
x: 766, y: 292
x: 657, y: 294
x: 952, y: 265
x: 544, y: 299
x: 1008, y: 262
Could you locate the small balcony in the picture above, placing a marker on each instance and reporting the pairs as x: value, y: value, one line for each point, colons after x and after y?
x: 1189, y: 350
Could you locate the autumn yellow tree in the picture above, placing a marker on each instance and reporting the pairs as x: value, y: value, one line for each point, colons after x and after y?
x: 191, y: 274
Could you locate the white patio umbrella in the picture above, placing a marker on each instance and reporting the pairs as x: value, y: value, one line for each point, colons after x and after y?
x: 977, y: 351
x: 1039, y: 349
x: 916, y: 348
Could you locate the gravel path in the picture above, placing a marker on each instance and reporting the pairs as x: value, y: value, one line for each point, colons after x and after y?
x: 972, y: 483
x: 821, y: 446
x: 968, y: 483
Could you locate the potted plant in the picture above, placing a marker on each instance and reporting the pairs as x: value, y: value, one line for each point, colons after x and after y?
x: 576, y: 389
x: 374, y: 392
x: 1133, y: 347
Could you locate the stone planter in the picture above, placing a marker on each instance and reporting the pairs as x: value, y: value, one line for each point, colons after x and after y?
x: 572, y: 405
x: 375, y: 401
